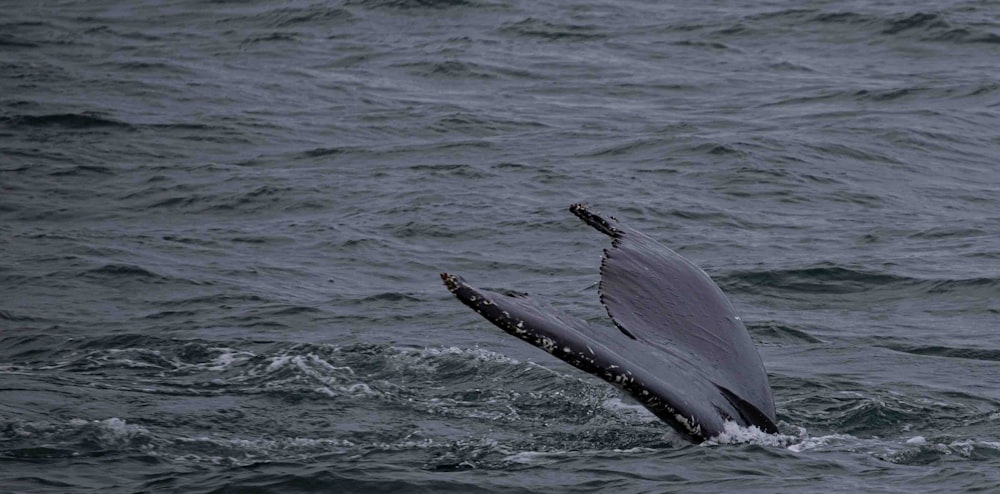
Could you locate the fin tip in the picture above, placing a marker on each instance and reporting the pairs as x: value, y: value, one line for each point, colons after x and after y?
x: 450, y: 281
x: 595, y: 220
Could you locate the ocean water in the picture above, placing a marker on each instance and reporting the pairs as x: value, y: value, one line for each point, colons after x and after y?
x: 222, y: 223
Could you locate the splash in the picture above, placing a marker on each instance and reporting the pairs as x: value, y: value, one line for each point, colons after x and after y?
x: 733, y: 433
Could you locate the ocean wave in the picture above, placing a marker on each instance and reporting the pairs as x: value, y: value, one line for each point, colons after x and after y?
x: 123, y: 270
x: 985, y: 354
x: 869, y: 27
x: 86, y: 120
x: 837, y: 279
x: 414, y: 4
x: 555, y: 31
x: 773, y: 332
x: 189, y: 198
x: 295, y: 17
x: 16, y: 42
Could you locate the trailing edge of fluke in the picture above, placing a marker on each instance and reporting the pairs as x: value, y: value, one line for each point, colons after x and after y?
x: 680, y: 348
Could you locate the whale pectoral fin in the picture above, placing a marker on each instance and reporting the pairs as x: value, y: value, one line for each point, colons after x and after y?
x: 568, y: 338
x: 677, y: 394
x: 607, y: 226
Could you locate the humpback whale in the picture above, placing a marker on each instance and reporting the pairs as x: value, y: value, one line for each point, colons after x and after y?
x: 680, y: 348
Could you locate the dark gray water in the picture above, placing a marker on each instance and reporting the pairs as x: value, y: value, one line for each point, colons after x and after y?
x: 221, y: 225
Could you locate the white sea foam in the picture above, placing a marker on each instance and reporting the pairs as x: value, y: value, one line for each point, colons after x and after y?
x: 278, y: 363
x: 476, y: 353
x: 544, y: 457
x: 112, y: 431
x: 264, y: 445
x: 966, y: 447
x: 334, y: 380
x: 536, y: 457
x: 241, y: 451
x: 630, y: 409
x: 119, y: 428
x: 227, y: 357
x: 832, y: 441
x: 733, y: 433
x: 359, y: 388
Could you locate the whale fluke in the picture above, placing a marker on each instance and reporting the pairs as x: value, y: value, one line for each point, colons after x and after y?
x: 680, y: 348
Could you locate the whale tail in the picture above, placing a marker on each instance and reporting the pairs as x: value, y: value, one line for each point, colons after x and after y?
x: 680, y: 349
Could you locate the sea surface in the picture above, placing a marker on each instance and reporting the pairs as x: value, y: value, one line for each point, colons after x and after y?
x: 222, y: 223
